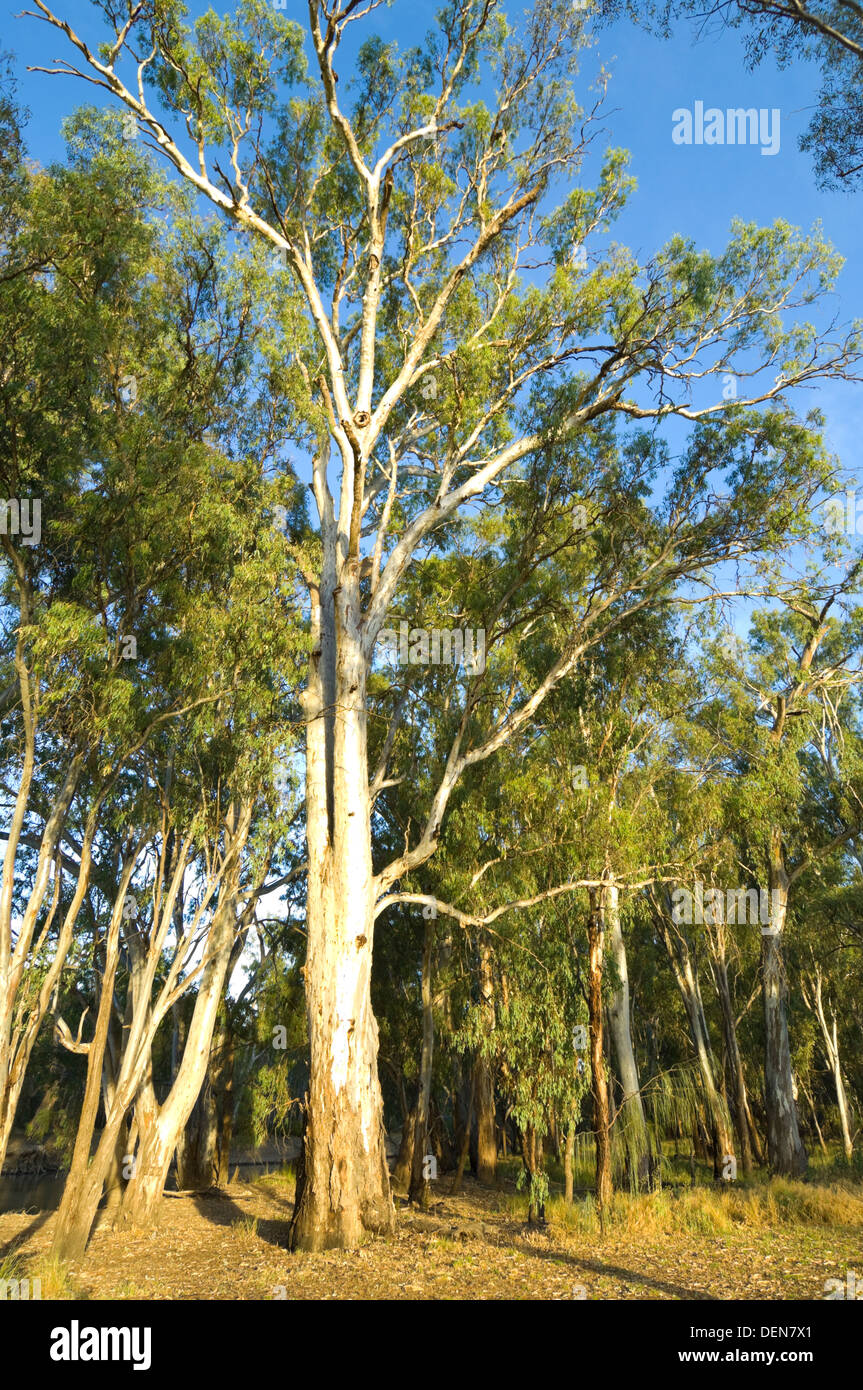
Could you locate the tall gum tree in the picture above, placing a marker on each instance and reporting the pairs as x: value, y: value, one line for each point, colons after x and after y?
x: 434, y: 369
x: 775, y: 720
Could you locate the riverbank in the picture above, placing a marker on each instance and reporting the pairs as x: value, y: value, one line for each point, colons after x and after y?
x: 774, y: 1241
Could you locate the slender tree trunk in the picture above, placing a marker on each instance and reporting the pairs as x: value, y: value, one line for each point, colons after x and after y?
x: 740, y: 1106
x: 405, y: 1158
x: 531, y: 1150
x: 18, y: 1040
x: 222, y: 1090
x: 418, y: 1180
x: 343, y: 1186
x: 486, y: 1168
x: 830, y: 1038
x: 785, y: 1147
x: 84, y: 1183
x: 599, y: 1083
x: 568, y: 1157
x: 197, y: 1160
x: 685, y: 972
x: 619, y: 1023
x: 114, y: 1180
x: 465, y: 1142
x: 419, y: 1185
x: 158, y: 1141
x: 811, y: 1103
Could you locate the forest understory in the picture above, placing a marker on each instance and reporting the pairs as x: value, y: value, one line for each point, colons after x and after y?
x: 769, y: 1240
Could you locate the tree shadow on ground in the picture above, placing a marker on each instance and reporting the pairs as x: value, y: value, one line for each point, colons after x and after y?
x: 629, y: 1276
x: 21, y: 1237
x: 220, y: 1209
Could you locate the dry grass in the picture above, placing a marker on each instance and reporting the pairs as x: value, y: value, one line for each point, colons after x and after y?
x: 707, y: 1211
x: 245, y: 1229
x: 57, y: 1281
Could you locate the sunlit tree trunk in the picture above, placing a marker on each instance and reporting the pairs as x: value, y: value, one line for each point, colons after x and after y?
x: 568, y: 1157
x: 743, y: 1123
x: 830, y: 1037
x: 619, y: 1022
x: 159, y: 1139
x: 85, y: 1179
x: 486, y: 1157
x: 419, y: 1186
x: 598, y: 1079
x: 681, y: 958
x: 343, y: 1187
x: 785, y: 1148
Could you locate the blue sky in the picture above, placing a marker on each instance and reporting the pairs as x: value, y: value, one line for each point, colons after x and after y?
x: 694, y: 190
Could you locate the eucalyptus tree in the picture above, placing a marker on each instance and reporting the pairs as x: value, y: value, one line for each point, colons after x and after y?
x: 777, y: 713
x: 124, y: 344
x: 71, y: 717
x: 448, y: 336
x: 205, y: 831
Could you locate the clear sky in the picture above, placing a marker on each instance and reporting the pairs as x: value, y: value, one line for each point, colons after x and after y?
x: 695, y: 190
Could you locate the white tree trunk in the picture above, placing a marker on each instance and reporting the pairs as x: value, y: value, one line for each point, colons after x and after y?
x: 620, y: 1028
x: 784, y: 1144
x: 343, y: 1188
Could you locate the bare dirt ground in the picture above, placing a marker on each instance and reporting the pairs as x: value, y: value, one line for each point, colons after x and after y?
x: 231, y: 1245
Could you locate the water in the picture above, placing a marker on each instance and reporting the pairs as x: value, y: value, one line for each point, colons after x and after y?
x: 32, y: 1192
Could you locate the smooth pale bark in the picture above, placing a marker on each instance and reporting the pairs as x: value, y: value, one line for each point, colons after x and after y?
x: 19, y: 1024
x: 785, y: 1148
x: 419, y: 1184
x: 486, y: 1137
x: 685, y: 971
x: 619, y: 1026
x: 204, y: 1150
x: 85, y: 1180
x: 197, y: 1159
x: 741, y: 1115
x: 830, y: 1038
x: 114, y: 1181
x: 159, y: 1140
x: 598, y: 1079
x: 343, y: 1185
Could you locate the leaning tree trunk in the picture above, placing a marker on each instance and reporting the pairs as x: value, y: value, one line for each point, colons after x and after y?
x: 343, y: 1185
x: 683, y: 965
x: 632, y: 1115
x: 598, y: 1079
x: 85, y: 1179
x: 159, y: 1141
x: 785, y: 1149
x: 830, y: 1038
